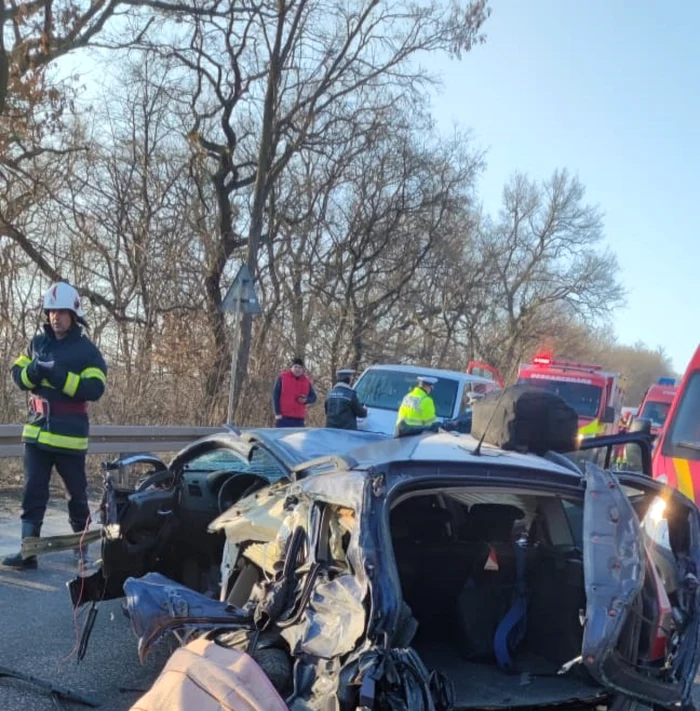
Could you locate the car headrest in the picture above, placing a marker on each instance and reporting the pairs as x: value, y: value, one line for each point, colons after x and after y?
x: 420, y: 522
x: 493, y: 522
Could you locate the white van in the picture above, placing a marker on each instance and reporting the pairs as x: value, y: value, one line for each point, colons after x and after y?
x: 381, y: 388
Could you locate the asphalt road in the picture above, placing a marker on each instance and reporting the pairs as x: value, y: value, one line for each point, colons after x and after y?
x: 38, y: 633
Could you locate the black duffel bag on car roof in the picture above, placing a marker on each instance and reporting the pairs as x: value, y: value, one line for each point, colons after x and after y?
x: 525, y: 419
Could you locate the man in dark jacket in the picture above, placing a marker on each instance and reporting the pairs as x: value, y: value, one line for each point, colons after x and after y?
x: 291, y: 394
x: 342, y: 405
x: 61, y: 371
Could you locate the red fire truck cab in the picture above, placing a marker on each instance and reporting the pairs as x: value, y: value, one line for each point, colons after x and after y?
x: 593, y: 393
x: 657, y: 402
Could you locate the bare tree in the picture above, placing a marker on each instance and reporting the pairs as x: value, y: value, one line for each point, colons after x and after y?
x: 268, y: 78
x: 544, y: 249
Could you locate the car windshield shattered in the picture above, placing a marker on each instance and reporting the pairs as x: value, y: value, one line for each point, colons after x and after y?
x: 426, y: 574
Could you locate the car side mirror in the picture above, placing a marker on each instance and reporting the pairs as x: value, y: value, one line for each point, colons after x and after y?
x: 609, y: 415
x: 641, y: 424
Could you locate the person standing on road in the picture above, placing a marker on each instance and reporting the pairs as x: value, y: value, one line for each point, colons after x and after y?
x: 61, y: 371
x: 292, y: 392
x: 342, y: 405
x: 624, y: 422
x: 417, y: 411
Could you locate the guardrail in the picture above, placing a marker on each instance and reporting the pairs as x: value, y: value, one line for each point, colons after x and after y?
x: 118, y: 439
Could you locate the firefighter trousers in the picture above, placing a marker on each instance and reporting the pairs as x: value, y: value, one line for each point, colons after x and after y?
x: 70, y: 466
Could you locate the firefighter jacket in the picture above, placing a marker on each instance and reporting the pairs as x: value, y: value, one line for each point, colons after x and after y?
x: 417, y: 409
x: 58, y: 419
x: 343, y: 407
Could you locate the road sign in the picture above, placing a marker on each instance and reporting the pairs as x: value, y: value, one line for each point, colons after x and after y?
x: 241, y: 296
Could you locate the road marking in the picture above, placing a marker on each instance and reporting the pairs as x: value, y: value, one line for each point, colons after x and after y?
x: 29, y: 584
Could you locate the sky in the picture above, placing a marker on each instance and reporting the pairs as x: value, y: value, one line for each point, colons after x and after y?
x: 608, y: 89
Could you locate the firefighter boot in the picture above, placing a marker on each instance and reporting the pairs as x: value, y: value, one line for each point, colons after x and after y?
x: 16, y: 561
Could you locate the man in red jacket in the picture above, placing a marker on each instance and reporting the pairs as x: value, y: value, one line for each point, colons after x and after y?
x: 293, y: 391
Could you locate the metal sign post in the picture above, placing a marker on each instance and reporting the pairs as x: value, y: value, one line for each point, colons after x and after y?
x: 240, y: 299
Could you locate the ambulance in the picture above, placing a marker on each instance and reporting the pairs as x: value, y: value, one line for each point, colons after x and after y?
x: 677, y: 453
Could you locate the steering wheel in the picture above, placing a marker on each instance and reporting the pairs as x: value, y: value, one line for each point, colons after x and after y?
x: 154, y: 479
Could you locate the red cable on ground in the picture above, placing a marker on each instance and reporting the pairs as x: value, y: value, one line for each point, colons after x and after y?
x: 76, y: 611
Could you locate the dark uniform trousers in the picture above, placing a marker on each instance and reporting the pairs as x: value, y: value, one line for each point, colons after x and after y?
x: 70, y: 466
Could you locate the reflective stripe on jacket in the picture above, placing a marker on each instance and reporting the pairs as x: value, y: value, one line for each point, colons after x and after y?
x: 79, y: 374
x: 417, y: 409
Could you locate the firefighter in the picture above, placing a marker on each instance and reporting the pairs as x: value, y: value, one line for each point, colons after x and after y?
x: 342, y: 405
x: 620, y: 452
x: 61, y: 371
x: 624, y: 422
x: 292, y: 392
x: 417, y: 411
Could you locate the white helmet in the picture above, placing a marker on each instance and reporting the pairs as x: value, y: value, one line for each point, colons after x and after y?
x: 63, y: 296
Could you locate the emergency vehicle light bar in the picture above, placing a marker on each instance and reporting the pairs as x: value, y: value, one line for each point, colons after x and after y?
x: 546, y: 359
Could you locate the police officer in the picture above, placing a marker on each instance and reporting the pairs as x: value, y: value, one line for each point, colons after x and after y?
x: 417, y: 411
x: 61, y: 371
x: 342, y: 405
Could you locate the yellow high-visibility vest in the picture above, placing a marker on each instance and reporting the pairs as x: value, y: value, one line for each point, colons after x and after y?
x: 417, y: 409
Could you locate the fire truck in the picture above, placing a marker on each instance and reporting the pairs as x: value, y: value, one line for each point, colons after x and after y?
x: 676, y: 458
x: 657, y: 402
x: 596, y: 395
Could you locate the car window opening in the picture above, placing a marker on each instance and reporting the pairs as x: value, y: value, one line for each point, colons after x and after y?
x: 466, y: 556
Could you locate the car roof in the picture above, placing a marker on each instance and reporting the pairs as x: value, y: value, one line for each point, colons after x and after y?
x: 294, y: 446
x: 434, y: 372
x: 334, y: 453
x: 341, y: 479
x: 449, y: 448
x: 363, y: 450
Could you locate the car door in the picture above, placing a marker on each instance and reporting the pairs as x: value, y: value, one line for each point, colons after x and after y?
x: 615, y: 563
x: 485, y: 370
x: 161, y: 525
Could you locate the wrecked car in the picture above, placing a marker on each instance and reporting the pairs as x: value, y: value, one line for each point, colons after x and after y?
x: 437, y: 572
x: 155, y: 515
